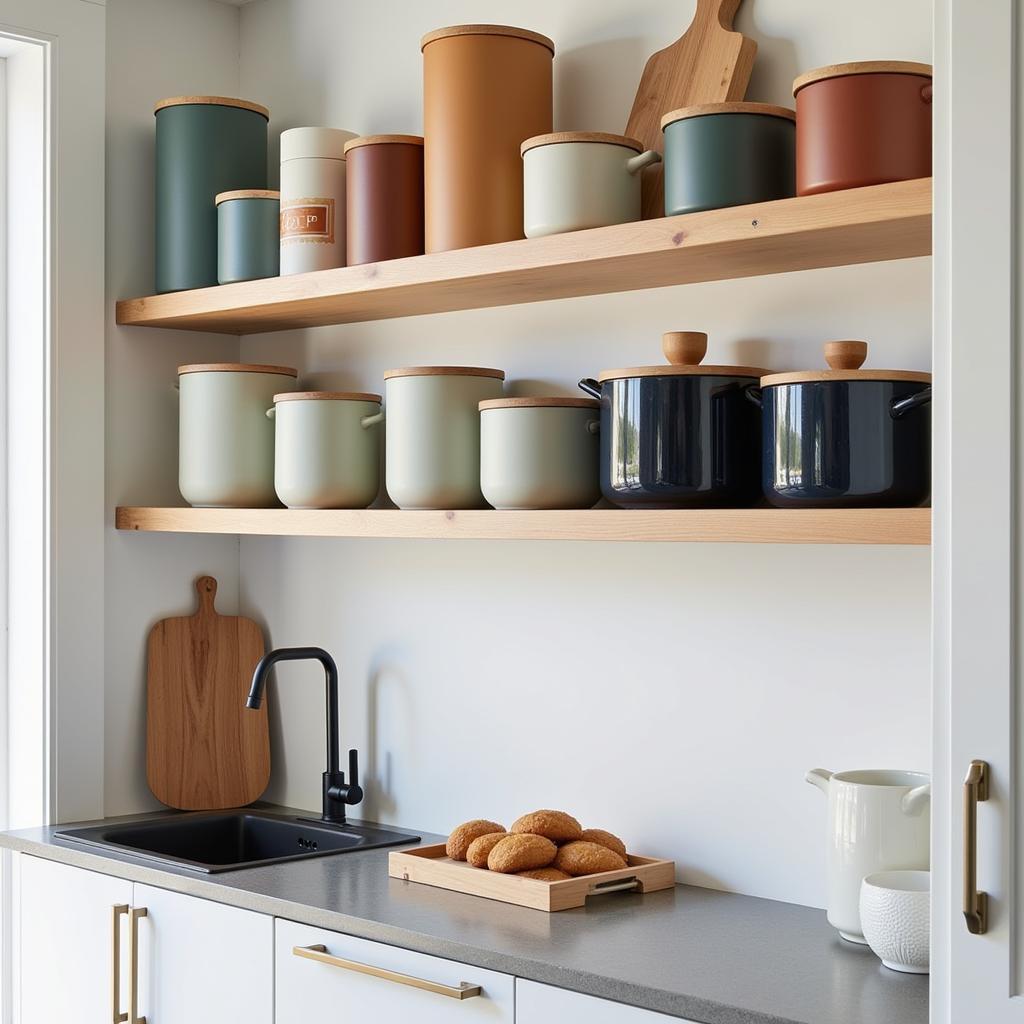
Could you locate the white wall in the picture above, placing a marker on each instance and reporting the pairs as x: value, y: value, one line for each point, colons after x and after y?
x: 155, y: 48
x: 673, y: 694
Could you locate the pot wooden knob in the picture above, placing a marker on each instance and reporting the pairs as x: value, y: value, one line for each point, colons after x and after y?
x: 684, y: 348
x: 846, y: 355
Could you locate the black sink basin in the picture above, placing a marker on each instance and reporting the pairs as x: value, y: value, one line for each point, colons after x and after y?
x: 230, y: 840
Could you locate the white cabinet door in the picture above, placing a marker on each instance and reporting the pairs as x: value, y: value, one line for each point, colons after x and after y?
x: 202, y: 962
x: 66, y: 941
x: 367, y: 981
x: 542, y: 1004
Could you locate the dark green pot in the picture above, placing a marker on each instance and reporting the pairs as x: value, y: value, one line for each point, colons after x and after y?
x: 728, y: 159
x: 248, y: 237
x: 202, y: 148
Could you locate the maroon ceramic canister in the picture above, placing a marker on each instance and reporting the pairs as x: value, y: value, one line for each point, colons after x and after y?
x: 862, y: 124
x: 383, y: 198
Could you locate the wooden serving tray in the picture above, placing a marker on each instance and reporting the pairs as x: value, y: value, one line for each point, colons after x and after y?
x: 430, y: 866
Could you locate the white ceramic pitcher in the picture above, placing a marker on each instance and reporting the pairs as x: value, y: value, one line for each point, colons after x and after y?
x: 877, y: 821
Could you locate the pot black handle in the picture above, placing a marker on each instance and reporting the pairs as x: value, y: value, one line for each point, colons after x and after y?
x: 752, y: 393
x: 591, y: 387
x: 901, y: 406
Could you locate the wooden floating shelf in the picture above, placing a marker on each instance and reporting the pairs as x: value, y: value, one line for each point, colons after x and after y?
x: 863, y: 225
x: 734, y: 526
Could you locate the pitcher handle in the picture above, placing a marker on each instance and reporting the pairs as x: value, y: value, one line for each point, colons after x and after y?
x: 915, y: 801
x: 819, y: 777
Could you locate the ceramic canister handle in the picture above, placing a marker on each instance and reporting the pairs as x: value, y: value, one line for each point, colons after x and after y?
x: 593, y: 426
x: 642, y: 160
x: 915, y: 801
x: 819, y: 777
x: 270, y: 412
x: 369, y: 421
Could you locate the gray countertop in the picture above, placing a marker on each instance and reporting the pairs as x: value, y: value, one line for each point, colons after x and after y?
x: 708, y: 956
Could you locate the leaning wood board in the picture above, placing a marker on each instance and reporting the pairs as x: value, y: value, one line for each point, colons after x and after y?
x: 708, y: 63
x: 430, y: 866
x: 204, y: 749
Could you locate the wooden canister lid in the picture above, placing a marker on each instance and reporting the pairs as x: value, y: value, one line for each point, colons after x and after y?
x: 862, y: 67
x: 285, y: 371
x: 486, y: 30
x: 684, y: 351
x: 445, y: 371
x: 554, y: 138
x: 845, y: 359
x: 214, y: 101
x: 327, y: 396
x: 738, y: 107
x: 383, y: 140
x: 555, y: 402
x: 246, y: 193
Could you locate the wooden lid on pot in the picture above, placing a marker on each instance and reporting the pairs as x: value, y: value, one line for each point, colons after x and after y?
x: 245, y: 193
x: 845, y: 359
x: 327, y: 396
x: 285, y: 371
x: 554, y: 402
x: 862, y: 67
x: 445, y: 371
x: 486, y: 30
x: 684, y: 350
x: 737, y: 107
x: 214, y: 101
x: 383, y: 140
x: 554, y: 138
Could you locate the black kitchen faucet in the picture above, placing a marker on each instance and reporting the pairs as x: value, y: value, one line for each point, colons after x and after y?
x: 336, y: 792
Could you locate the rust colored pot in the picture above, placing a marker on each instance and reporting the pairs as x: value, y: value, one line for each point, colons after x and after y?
x: 862, y: 124
x: 383, y: 198
x: 486, y: 88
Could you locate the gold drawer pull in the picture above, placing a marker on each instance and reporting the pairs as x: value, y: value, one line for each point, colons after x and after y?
x: 133, y: 957
x: 116, y: 912
x: 975, y: 903
x: 319, y: 953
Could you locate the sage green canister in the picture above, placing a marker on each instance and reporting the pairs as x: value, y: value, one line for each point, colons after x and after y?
x: 327, y: 448
x: 204, y: 145
x: 225, y: 441
x: 728, y: 154
x: 248, y: 235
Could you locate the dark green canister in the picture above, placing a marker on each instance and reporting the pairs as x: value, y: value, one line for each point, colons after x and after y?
x: 728, y: 154
x: 204, y: 145
x: 248, y: 235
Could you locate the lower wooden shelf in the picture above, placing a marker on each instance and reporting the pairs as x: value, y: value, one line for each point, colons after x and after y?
x: 741, y: 526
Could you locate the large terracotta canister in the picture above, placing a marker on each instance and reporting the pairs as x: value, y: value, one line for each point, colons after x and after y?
x: 384, y: 198
x: 204, y: 145
x: 486, y: 88
x: 862, y: 124
x: 313, y: 199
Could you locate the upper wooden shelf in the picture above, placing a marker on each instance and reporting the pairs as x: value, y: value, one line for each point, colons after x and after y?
x: 738, y: 525
x: 863, y: 225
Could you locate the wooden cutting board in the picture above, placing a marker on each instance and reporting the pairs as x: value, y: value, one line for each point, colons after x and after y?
x: 708, y: 63
x: 204, y: 749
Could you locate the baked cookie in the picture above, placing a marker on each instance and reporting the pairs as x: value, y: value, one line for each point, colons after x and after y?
x: 583, y: 858
x: 557, y: 826
x: 521, y: 853
x: 546, y: 875
x: 481, y: 847
x: 459, y: 840
x: 602, y: 838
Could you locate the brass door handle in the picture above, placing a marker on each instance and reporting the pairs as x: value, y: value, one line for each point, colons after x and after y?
x: 319, y: 953
x: 133, y: 971
x: 975, y: 903
x: 116, y: 913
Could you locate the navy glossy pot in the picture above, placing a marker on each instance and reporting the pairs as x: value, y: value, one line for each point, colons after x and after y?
x: 846, y: 443
x: 678, y: 441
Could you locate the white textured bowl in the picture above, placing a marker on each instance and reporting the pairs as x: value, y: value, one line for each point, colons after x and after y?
x: 895, y: 915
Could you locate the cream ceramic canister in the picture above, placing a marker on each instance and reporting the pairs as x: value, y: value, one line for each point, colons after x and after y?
x: 877, y: 821
x: 575, y: 180
x: 313, y: 199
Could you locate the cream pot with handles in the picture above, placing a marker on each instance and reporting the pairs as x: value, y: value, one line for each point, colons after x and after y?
x: 877, y: 821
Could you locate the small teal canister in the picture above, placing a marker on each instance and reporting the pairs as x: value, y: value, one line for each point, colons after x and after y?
x: 204, y: 145
x: 248, y: 234
x: 728, y: 154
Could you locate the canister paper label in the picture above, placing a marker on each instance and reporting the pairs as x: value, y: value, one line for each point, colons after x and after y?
x: 308, y: 220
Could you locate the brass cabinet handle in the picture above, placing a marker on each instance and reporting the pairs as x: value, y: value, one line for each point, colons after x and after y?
x: 116, y: 913
x: 133, y: 970
x: 319, y: 953
x: 975, y: 903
